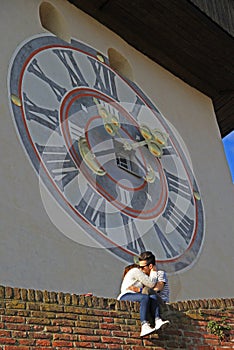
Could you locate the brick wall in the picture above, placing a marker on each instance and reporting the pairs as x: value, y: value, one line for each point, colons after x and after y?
x: 34, y: 319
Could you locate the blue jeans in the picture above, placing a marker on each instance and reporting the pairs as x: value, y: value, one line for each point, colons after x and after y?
x: 148, y: 303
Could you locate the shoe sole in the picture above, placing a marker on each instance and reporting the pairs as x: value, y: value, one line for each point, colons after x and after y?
x: 163, y: 326
x: 147, y: 333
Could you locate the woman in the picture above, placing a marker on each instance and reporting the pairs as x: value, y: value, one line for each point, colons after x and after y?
x: 131, y: 289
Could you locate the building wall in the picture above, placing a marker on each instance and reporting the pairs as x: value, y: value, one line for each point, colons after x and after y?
x: 41, y: 247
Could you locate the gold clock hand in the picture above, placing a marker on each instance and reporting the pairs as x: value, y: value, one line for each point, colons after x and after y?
x: 137, y: 144
x: 111, y: 123
x: 89, y: 158
x: 101, y: 109
x: 154, y: 139
x: 150, y: 176
x: 154, y: 135
x: 159, y: 137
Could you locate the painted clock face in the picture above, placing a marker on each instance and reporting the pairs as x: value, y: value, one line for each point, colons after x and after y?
x: 106, y: 153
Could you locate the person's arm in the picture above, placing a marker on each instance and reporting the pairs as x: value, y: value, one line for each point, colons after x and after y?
x: 153, y: 275
x: 161, y: 281
x: 139, y: 276
x: 135, y: 289
x: 144, y: 279
x: 159, y: 286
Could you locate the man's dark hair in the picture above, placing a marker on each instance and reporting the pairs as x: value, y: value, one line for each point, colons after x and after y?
x: 148, y: 256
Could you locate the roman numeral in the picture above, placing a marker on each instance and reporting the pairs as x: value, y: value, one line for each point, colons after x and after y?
x: 181, y: 222
x: 137, y: 107
x: 105, y: 79
x: 35, y: 69
x: 92, y: 207
x: 170, y: 252
x: 124, y: 196
x: 46, y: 117
x: 169, y: 149
x: 67, y: 58
x: 179, y: 186
x: 134, y: 241
x: 75, y: 131
x: 59, y: 164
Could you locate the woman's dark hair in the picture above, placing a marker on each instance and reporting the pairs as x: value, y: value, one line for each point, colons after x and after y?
x: 129, y: 267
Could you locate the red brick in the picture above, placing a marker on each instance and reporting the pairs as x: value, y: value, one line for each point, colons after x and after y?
x: 114, y: 346
x: 112, y: 340
x: 66, y: 329
x: 40, y: 335
x: 80, y: 330
x: 18, y: 334
x: 109, y: 326
x: 4, y: 333
x: 60, y: 343
x: 43, y: 342
x: 25, y: 342
x: 136, y: 341
x: 62, y: 336
x: 9, y: 292
x: 100, y: 346
x: 120, y: 334
x: 108, y: 319
x: 7, y: 341
x: 20, y: 327
x: 89, y: 338
x: 80, y: 345
x: 103, y: 332
x: 13, y: 319
x: 17, y: 347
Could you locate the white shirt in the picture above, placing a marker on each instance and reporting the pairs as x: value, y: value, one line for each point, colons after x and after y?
x: 137, y: 278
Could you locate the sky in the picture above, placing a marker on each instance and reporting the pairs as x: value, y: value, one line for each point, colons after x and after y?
x: 228, y: 142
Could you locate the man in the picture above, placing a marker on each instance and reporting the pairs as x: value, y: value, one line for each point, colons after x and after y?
x: 147, y: 264
x: 131, y: 289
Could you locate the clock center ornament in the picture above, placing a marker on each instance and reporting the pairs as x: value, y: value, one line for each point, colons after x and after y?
x: 107, y: 155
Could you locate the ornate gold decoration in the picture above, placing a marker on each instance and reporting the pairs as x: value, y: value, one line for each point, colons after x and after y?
x: 16, y: 100
x: 197, y: 195
x: 100, y: 57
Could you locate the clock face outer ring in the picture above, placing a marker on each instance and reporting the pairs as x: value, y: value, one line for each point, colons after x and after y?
x: 32, y: 48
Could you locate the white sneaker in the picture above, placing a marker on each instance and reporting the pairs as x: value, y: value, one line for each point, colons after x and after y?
x: 160, y: 323
x: 146, y: 329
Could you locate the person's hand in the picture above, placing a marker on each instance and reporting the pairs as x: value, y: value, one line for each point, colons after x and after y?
x: 159, y: 286
x: 134, y: 289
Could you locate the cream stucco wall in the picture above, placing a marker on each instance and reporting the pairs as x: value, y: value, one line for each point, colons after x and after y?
x: 34, y: 253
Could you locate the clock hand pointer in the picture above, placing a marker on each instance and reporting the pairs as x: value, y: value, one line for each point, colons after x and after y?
x: 111, y: 123
x: 154, y: 139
